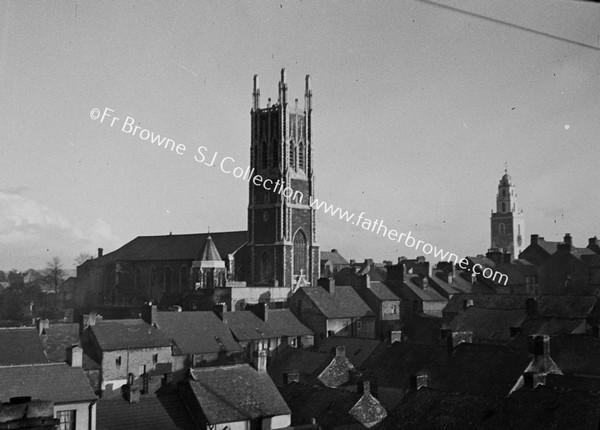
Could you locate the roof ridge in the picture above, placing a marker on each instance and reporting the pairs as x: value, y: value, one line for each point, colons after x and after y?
x: 192, y: 234
x: 35, y: 364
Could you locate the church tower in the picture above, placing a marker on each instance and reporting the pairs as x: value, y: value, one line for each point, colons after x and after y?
x: 281, y: 224
x: 507, y: 222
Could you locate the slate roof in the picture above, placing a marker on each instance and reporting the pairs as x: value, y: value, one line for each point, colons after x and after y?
x: 343, y: 303
x: 458, y: 285
x: 115, y: 335
x: 490, y: 325
x: 357, y: 350
x: 329, y: 406
x: 57, y: 382
x: 196, y: 332
x: 21, y: 346
x: 334, y: 257
x: 57, y: 338
x: 246, y: 326
x: 236, y: 393
x: 175, y: 246
x: 284, y: 323
x: 210, y: 252
x: 382, y: 292
x: 576, y: 355
x: 158, y: 412
x: 309, y: 364
x: 427, y: 295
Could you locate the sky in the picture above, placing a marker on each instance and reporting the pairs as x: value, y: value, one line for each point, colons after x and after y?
x: 416, y: 110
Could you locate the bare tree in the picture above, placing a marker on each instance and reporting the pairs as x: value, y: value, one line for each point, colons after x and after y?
x: 55, y: 274
x: 82, y: 258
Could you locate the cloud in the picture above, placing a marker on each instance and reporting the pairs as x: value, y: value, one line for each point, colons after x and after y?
x: 31, y: 232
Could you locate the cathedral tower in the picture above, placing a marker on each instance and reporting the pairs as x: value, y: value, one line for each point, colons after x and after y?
x: 281, y: 224
x: 507, y: 222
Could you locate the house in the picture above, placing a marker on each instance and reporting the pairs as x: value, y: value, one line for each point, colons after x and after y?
x: 199, y: 338
x: 333, y: 310
x: 358, y: 350
x: 162, y: 411
x: 285, y: 324
x: 128, y: 347
x: 384, y: 304
x: 66, y: 386
x: 333, y: 409
x: 21, y: 346
x: 235, y: 396
x: 332, y: 262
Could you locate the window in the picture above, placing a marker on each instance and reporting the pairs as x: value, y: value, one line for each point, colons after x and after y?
x: 118, y: 361
x: 264, y: 162
x: 266, y: 267
x: 301, y: 157
x: 501, y: 229
x: 504, y: 192
x: 503, y: 207
x: 275, y: 160
x: 66, y: 420
x: 359, y: 325
x: 292, y: 155
x: 154, y: 358
x: 300, y: 252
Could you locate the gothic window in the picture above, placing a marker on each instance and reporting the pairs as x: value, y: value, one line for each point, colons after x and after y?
x: 300, y: 252
x: 292, y: 155
x: 275, y: 159
x: 301, y: 157
x: 504, y: 192
x: 264, y: 162
x: 168, y: 279
x: 503, y: 207
x: 266, y: 267
x: 501, y: 229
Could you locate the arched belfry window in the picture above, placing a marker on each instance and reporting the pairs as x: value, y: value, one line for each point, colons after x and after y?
x: 300, y: 252
x: 292, y: 155
x: 503, y: 207
x: 264, y: 162
x: 266, y: 266
x: 501, y: 229
x: 301, y: 157
x: 504, y: 192
x: 275, y: 160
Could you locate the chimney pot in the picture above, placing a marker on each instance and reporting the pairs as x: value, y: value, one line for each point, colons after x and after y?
x: 568, y: 239
x: 100, y: 252
x: 419, y: 380
x: 395, y: 336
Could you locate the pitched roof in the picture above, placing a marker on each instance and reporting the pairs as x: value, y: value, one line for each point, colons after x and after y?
x: 235, y: 393
x: 490, y: 325
x: 128, y: 334
x: 382, y: 291
x: 57, y: 338
x: 343, y: 303
x: 197, y: 332
x: 246, y: 326
x: 57, y: 382
x: 329, y: 406
x: 159, y: 412
x: 334, y: 257
x: 357, y: 350
x: 576, y: 354
x: 309, y: 364
x: 284, y: 323
x: 175, y: 246
x: 21, y: 346
x: 210, y: 252
x: 428, y: 294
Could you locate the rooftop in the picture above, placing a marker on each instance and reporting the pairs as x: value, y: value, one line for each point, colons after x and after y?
x: 21, y: 346
x: 343, y: 303
x: 246, y: 326
x: 128, y: 334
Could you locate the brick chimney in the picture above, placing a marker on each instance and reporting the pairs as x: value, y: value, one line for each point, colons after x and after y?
x: 531, y: 307
x: 261, y: 310
x: 418, y: 380
x: 507, y: 258
x: 534, y: 239
x: 132, y: 393
x: 467, y: 303
x: 75, y: 356
x: 100, y: 252
x: 219, y: 309
x: 328, y: 284
x: 149, y: 313
x: 261, y: 360
x: 290, y: 376
x: 340, y: 351
x: 540, y: 347
x: 533, y: 379
x: 395, y: 336
x: 456, y: 338
x: 363, y: 387
x: 366, y: 281
x: 568, y: 239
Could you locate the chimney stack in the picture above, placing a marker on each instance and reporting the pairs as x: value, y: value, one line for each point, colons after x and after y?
x: 507, y: 258
x: 533, y: 379
x: 395, y: 336
x: 592, y: 241
x: 568, y: 239
x: 149, y: 313
x: 531, y: 307
x: 340, y: 351
x: 290, y: 376
x: 456, y: 338
x: 261, y: 360
x: 534, y: 239
x: 100, y: 252
x: 418, y: 380
x: 367, y: 281
x: 75, y: 356
x: 363, y: 387
x: 328, y: 284
x: 219, y: 309
x: 261, y: 310
x: 467, y: 303
x: 541, y: 351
